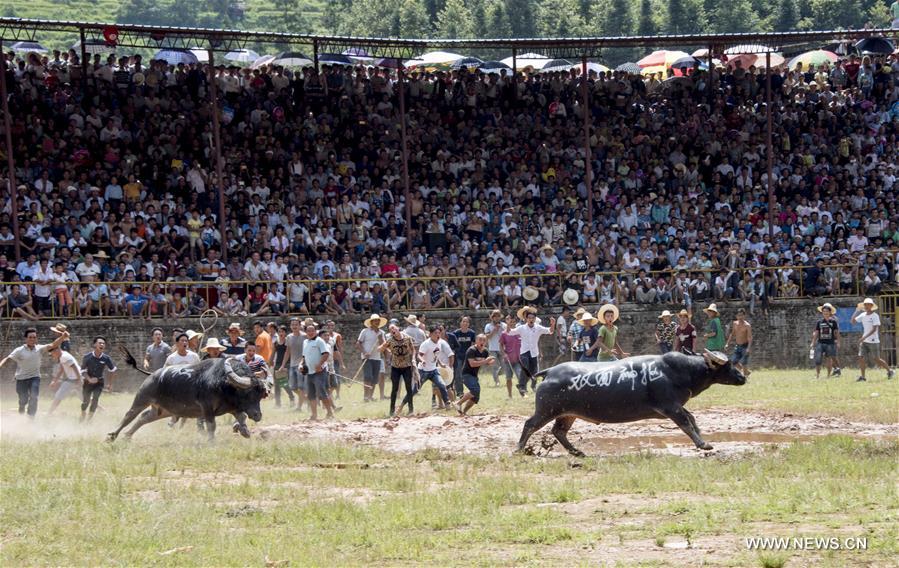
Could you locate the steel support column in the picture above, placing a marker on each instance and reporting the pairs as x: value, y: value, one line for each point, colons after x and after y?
x: 217, y: 143
x: 405, y: 151
x: 10, y: 161
x: 588, y: 158
x: 769, y: 150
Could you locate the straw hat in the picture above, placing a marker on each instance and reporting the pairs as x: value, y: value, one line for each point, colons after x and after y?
x: 59, y: 328
x: 191, y: 334
x: 570, y: 296
x: 234, y: 325
x: 523, y: 312
x: 579, y: 312
x: 587, y: 319
x: 549, y: 248
x: 868, y: 301
x: 375, y: 318
x: 309, y: 321
x: 666, y: 314
x: 829, y: 306
x: 530, y: 293
x: 412, y: 319
x: 608, y: 308
x: 212, y: 343
x: 101, y: 254
x: 684, y: 313
x: 712, y: 309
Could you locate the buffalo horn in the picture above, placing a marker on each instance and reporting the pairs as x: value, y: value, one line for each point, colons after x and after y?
x: 715, y: 357
x: 235, y: 379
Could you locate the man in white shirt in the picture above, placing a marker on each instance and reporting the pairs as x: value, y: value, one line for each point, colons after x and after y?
x: 414, y: 330
x: 88, y: 270
x: 67, y: 377
x: 493, y: 330
x: 432, y: 351
x: 869, y: 344
x: 28, y: 368
x: 530, y: 333
x: 182, y: 355
x: 368, y: 343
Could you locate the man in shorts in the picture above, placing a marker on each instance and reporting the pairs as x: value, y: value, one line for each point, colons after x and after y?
x: 825, y: 340
x: 368, y: 343
x: 869, y: 344
x: 316, y: 354
x: 476, y: 357
x: 741, y: 336
x: 292, y: 357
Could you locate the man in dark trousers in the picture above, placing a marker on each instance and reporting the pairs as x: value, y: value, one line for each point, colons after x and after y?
x: 94, y: 365
x: 460, y: 341
x: 825, y: 340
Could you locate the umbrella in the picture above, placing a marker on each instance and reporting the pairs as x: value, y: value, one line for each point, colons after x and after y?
x: 291, y: 59
x: 815, y: 57
x: 756, y: 59
x: 525, y: 60
x: 701, y: 52
x: 686, y: 62
x: 434, y: 59
x: 93, y: 46
x: 334, y: 59
x: 630, y: 68
x: 597, y: 68
x: 388, y: 63
x: 494, y: 67
x: 662, y: 58
x: 176, y: 56
x: 875, y: 45
x: 358, y: 54
x: 557, y: 65
x: 264, y: 60
x: 748, y: 48
x: 242, y: 56
x: 35, y: 46
x: 467, y: 62
x: 201, y: 54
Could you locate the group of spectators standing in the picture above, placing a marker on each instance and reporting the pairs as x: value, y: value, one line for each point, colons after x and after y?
x: 118, y: 196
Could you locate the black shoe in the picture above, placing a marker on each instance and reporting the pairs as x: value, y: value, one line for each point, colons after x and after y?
x: 837, y: 372
x: 860, y: 379
x: 891, y: 373
x: 522, y: 392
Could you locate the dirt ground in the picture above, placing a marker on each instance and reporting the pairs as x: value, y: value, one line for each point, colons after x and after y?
x: 730, y: 431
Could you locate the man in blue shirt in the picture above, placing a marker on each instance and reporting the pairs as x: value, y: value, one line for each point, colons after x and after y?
x: 136, y: 303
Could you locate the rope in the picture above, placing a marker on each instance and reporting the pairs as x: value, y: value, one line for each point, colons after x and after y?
x: 204, y: 320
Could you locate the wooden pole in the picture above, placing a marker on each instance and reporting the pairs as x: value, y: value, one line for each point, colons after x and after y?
x: 10, y: 161
x: 588, y: 158
x: 405, y: 150
x: 217, y: 143
x: 769, y: 149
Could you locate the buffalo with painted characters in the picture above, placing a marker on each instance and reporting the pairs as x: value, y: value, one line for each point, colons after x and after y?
x: 636, y: 388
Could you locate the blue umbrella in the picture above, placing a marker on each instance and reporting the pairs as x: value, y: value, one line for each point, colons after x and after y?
x: 334, y: 59
x: 629, y: 68
x: 176, y: 56
x: 467, y: 62
x: 28, y: 46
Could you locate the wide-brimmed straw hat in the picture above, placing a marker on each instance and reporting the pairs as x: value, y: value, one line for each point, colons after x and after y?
x: 523, y: 312
x: 381, y: 322
x: 868, y: 302
x: 829, y: 306
x: 683, y: 313
x: 587, y: 319
x: 666, y: 314
x: 570, y: 296
x: 530, y: 293
x: 606, y: 309
x: 412, y: 319
x: 212, y: 343
x: 59, y: 328
x: 579, y: 312
x: 234, y: 325
x: 191, y: 334
x: 711, y: 309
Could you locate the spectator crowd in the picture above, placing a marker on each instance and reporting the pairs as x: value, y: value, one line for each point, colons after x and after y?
x: 118, y: 195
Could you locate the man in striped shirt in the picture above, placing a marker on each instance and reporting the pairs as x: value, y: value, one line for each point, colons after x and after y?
x: 256, y: 362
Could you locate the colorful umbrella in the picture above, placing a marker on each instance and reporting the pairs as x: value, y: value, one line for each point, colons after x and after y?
x: 747, y: 48
x: 755, y: 59
x: 816, y: 57
x: 686, y: 62
x: 662, y: 58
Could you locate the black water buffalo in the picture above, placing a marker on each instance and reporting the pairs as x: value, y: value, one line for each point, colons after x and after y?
x: 204, y: 390
x: 651, y: 386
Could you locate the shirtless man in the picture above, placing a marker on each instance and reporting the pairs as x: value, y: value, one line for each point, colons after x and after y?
x: 741, y: 337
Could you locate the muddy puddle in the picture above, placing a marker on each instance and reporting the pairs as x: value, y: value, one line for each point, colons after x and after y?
x: 729, y: 431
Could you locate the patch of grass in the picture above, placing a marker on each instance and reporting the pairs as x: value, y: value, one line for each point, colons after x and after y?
x: 773, y: 560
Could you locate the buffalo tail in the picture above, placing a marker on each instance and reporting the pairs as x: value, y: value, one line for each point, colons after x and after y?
x: 129, y: 358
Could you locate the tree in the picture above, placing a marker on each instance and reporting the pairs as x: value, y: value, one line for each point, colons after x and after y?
x: 685, y: 17
x: 834, y: 14
x: 521, y: 17
x: 646, y: 25
x: 498, y: 19
x: 619, y: 20
x: 786, y: 16
x: 455, y: 20
x: 479, y: 19
x: 414, y: 20
x: 733, y: 16
x: 560, y: 18
x: 288, y: 18
x: 159, y: 13
x: 433, y: 8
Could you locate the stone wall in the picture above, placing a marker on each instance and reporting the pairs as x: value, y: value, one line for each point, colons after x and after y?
x: 781, y: 338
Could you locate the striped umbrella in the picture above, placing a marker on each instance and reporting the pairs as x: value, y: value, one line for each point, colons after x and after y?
x: 748, y: 48
x: 176, y: 56
x: 662, y: 58
x: 28, y: 46
x: 630, y: 68
x: 93, y: 46
x: 816, y: 57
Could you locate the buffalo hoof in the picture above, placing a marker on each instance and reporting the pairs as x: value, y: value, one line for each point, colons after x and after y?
x: 705, y: 446
x: 241, y: 429
x: 577, y: 453
x: 111, y: 437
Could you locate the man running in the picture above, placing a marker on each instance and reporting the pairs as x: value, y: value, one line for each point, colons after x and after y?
x: 511, y: 347
x: 461, y: 340
x: 67, y: 378
x: 95, y: 364
x: 869, y: 344
x: 530, y: 333
x: 476, y: 357
x: 429, y: 354
x: 741, y: 336
x: 825, y: 339
x: 28, y: 368
x: 494, y: 331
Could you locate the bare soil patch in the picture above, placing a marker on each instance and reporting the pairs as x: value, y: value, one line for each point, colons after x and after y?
x: 730, y: 431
